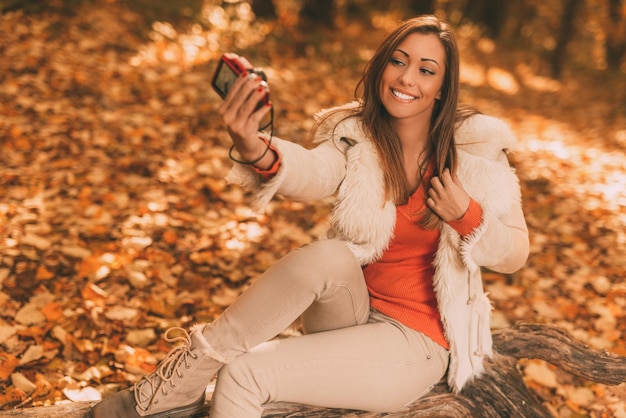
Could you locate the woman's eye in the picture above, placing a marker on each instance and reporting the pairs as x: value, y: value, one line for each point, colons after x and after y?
x: 427, y: 71
x: 396, y: 61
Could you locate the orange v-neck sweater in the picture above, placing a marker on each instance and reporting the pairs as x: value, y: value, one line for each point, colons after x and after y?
x: 401, y: 282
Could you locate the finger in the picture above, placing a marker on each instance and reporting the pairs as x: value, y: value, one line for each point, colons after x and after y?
x: 238, y: 103
x: 260, y: 113
x: 457, y: 181
x: 446, y: 178
x: 251, y: 105
x: 235, y: 89
x: 436, y: 184
x: 431, y: 203
x: 246, y: 123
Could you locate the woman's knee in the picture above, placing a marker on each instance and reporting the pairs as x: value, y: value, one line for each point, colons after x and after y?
x: 332, y: 255
x: 317, y: 263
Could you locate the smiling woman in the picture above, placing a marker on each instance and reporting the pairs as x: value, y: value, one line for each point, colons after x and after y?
x: 392, y: 300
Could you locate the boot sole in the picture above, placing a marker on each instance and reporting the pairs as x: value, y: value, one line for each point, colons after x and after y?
x: 189, y: 411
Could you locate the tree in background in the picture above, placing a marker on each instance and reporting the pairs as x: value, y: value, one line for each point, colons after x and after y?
x: 420, y: 7
x: 264, y: 9
x: 564, y: 36
x: 615, y: 43
x: 318, y: 12
x: 492, y: 14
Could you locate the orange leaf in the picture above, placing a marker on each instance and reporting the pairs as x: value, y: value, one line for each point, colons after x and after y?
x: 139, y: 360
x: 53, y: 311
x: 34, y: 332
x: 16, y: 131
x: 85, y: 193
x: 50, y: 345
x: 22, y: 143
x: 599, y: 391
x: 99, y: 229
x: 89, y: 266
x: 170, y: 237
x: 43, y: 273
x: 8, y: 363
x: 148, y: 367
x: 12, y: 397
x: 93, y: 293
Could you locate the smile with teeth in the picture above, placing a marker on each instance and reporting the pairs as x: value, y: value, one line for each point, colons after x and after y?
x: 402, y: 96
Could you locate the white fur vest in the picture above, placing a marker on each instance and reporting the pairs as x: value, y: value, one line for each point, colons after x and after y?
x: 361, y: 217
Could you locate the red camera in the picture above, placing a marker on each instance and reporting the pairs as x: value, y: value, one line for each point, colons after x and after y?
x: 229, y: 69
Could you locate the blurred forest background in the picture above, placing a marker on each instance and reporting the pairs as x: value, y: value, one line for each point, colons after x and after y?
x: 116, y: 223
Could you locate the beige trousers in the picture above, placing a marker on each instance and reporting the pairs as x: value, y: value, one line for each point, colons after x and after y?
x: 350, y: 356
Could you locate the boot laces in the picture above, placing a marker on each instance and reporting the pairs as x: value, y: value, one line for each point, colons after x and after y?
x: 164, y: 377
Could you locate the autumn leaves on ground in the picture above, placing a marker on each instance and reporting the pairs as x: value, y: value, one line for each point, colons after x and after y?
x: 116, y: 223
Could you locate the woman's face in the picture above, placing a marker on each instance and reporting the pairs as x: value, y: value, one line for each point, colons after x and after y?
x: 413, y: 77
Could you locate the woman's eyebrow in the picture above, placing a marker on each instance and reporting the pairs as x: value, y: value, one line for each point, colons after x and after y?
x: 431, y: 60
x: 406, y: 54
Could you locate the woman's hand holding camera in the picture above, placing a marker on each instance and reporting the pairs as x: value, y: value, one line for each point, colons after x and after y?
x: 242, y: 115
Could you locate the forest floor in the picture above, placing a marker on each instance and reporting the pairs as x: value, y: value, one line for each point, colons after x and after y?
x: 116, y: 222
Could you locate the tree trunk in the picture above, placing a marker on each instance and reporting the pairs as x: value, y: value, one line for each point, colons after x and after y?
x: 615, y: 43
x: 264, y: 9
x: 489, y: 13
x: 564, y: 36
x: 320, y: 12
x: 518, y: 14
x: 420, y: 7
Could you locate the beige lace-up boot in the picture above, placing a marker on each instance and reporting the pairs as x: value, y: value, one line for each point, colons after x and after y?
x: 175, y: 389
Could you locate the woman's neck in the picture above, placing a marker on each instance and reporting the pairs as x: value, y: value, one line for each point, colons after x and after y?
x: 413, y: 138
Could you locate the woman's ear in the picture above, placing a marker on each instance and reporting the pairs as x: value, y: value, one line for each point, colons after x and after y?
x: 438, y: 96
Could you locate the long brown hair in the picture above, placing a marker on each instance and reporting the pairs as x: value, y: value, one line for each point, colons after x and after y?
x: 378, y: 123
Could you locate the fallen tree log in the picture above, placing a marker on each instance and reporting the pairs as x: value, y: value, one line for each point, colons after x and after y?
x: 500, y: 392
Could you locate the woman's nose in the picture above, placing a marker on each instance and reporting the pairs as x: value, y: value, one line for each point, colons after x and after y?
x: 406, y: 79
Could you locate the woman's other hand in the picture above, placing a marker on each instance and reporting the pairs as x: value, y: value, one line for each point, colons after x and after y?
x: 447, y: 197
